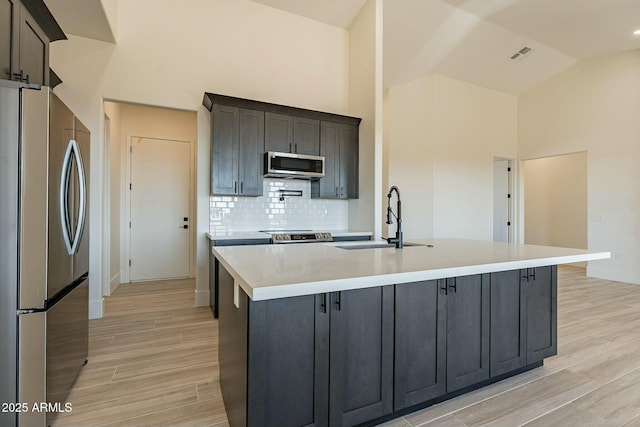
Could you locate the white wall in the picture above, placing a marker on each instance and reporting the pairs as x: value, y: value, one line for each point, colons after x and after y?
x: 364, y: 90
x: 113, y: 172
x: 443, y: 137
x: 594, y: 106
x: 555, y: 201
x: 169, y: 55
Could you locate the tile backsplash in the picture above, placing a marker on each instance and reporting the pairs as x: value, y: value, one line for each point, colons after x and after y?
x: 231, y: 213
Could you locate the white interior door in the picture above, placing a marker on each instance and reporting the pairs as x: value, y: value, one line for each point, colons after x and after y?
x: 160, y: 218
x: 502, y: 200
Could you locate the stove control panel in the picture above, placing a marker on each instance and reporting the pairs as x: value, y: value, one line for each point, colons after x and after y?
x: 301, y: 237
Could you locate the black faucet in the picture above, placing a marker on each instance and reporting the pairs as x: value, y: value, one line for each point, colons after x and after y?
x: 398, y: 216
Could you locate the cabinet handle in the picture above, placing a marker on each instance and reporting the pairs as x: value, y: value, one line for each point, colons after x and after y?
x: 290, y: 150
x: 454, y: 286
x: 235, y: 186
x: 296, y: 148
x: 443, y: 287
x: 323, y: 303
x: 533, y: 273
x: 241, y: 187
x: 337, y: 194
x: 526, y: 275
x: 339, y: 301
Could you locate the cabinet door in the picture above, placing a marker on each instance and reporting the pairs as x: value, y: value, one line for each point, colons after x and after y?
x: 420, y: 343
x: 361, y: 361
x: 288, y: 362
x: 329, y: 185
x: 250, y: 157
x: 508, y: 322
x: 9, y: 11
x: 224, y: 150
x: 33, y: 53
x: 467, y: 331
x: 348, y: 161
x: 278, y: 133
x: 306, y: 136
x: 542, y: 312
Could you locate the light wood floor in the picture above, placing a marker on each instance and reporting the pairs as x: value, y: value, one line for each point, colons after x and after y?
x: 153, y: 362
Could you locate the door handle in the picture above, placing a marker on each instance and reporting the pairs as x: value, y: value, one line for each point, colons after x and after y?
x: 72, y: 157
x: 339, y: 301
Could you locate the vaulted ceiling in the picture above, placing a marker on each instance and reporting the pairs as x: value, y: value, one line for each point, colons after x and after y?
x: 470, y: 40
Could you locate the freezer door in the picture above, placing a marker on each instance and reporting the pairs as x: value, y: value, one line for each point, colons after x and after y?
x: 31, y: 385
x: 81, y: 257
x: 67, y: 343
x: 33, y: 198
x: 9, y: 133
x: 60, y: 268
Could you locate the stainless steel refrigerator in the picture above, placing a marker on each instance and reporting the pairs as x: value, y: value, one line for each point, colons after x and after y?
x: 44, y: 253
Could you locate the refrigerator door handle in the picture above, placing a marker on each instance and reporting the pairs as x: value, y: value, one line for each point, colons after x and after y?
x: 72, y: 157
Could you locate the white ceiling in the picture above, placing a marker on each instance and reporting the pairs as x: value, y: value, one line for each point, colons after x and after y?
x: 470, y: 40
x: 84, y: 18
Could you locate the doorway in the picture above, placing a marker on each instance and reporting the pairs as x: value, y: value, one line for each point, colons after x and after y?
x: 503, y: 224
x: 555, y: 201
x: 159, y: 208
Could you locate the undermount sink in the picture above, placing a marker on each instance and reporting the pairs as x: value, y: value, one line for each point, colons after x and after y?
x: 380, y: 245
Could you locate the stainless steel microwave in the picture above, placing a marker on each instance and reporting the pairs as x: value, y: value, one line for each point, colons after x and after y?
x: 288, y: 165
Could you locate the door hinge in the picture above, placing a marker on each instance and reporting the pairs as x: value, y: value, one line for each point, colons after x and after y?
x: 508, y: 223
x: 129, y: 263
x: 508, y: 169
x: 130, y: 186
x: 508, y: 196
x: 131, y: 148
x: 129, y: 224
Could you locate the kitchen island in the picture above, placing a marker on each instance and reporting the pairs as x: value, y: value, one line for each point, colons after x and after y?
x: 324, y: 335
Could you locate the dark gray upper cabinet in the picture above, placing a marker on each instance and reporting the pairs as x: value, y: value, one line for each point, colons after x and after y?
x: 26, y: 29
x: 306, y: 136
x: 421, y: 339
x: 289, y: 134
x: 542, y: 309
x: 508, y: 322
x: 339, y: 146
x: 361, y: 360
x: 468, y: 306
x: 9, y: 12
x: 278, y: 133
x: 237, y: 138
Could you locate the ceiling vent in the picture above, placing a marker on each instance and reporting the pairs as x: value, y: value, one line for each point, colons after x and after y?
x: 521, y: 54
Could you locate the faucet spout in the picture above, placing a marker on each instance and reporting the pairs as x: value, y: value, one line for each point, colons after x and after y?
x: 398, y: 216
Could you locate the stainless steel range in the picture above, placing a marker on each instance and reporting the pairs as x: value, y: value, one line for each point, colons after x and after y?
x: 298, y: 236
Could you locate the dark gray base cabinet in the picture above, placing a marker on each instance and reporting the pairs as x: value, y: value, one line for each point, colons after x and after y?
x: 452, y: 334
x: 316, y: 360
x: 362, y: 356
x: 442, y: 337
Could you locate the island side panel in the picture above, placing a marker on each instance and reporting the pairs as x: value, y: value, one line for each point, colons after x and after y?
x: 232, y: 350
x: 542, y: 316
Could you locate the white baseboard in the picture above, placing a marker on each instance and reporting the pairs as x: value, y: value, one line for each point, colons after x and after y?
x: 614, y: 275
x: 115, y: 282
x: 96, y: 308
x: 202, y: 298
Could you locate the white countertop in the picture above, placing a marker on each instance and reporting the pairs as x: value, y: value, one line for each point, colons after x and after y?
x: 277, y: 271
x: 253, y: 235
